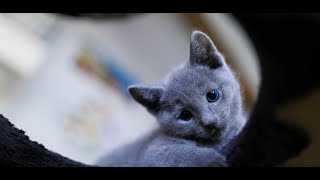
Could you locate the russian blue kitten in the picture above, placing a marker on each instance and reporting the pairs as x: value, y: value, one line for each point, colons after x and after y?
x: 198, y: 107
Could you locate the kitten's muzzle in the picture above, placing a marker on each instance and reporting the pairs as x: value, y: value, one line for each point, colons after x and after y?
x: 209, y: 125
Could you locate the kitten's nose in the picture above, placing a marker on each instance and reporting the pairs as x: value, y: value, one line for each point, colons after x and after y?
x: 210, y: 125
x: 209, y: 122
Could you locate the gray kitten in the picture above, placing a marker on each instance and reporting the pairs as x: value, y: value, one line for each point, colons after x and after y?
x: 198, y: 107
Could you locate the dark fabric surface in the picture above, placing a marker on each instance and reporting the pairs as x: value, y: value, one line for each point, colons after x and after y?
x: 17, y: 150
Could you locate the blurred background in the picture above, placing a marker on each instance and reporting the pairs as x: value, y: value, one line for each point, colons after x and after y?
x: 64, y: 80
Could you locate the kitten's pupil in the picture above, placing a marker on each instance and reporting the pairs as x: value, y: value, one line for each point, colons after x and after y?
x: 213, y: 96
x: 185, y: 115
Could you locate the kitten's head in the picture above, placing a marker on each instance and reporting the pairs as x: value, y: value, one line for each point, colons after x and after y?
x: 200, y: 100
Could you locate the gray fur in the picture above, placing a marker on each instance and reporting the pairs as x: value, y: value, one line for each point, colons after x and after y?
x: 187, y: 143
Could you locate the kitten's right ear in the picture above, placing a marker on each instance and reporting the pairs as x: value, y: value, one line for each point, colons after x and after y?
x: 148, y: 96
x: 203, y: 51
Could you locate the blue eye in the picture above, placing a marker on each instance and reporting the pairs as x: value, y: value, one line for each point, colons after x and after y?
x: 213, y: 96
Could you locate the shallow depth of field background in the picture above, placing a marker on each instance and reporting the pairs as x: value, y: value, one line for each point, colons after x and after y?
x: 64, y: 80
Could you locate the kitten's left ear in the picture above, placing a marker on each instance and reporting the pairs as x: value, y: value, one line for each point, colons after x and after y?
x: 203, y: 51
x: 148, y: 96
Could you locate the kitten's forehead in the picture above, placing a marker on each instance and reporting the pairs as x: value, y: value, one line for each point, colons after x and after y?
x: 192, y: 80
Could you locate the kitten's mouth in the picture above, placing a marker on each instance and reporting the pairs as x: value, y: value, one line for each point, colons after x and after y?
x: 210, y: 140
x: 207, y: 142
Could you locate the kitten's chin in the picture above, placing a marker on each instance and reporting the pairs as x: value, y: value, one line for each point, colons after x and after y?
x: 216, y: 135
x: 209, y: 139
x: 207, y: 142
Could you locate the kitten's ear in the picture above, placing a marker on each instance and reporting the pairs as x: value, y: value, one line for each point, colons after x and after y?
x: 203, y: 51
x: 148, y: 96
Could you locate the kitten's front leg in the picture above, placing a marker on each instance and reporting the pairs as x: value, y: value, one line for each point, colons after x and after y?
x: 209, y: 157
x: 202, y: 156
x: 181, y: 153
